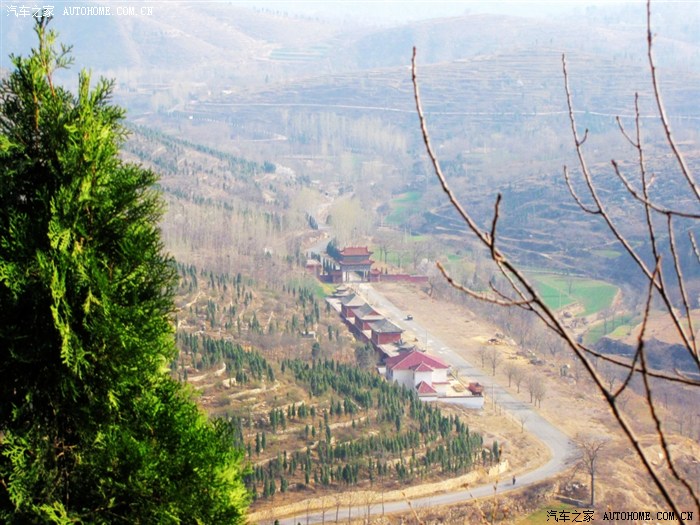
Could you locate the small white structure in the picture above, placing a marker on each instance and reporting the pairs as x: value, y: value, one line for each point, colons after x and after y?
x: 426, y: 392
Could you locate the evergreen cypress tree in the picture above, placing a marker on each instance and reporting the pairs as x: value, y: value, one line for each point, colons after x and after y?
x: 92, y: 429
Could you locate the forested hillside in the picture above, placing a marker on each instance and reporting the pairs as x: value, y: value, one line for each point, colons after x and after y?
x: 313, y: 423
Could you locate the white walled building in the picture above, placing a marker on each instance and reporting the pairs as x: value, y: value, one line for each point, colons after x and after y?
x: 412, y: 368
x: 427, y: 376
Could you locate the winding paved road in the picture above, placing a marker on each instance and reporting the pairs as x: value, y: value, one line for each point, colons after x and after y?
x: 562, y: 450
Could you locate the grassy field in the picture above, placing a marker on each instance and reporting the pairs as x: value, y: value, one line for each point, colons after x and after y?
x: 401, y: 207
x: 393, y: 257
x: 619, y: 326
x: 320, y: 290
x: 559, y: 291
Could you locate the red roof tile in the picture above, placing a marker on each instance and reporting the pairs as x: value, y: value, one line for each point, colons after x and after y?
x: 413, y: 359
x: 355, y: 250
x: 385, y: 327
x: 355, y: 263
x: 354, y: 302
x: 365, y: 311
x: 425, y: 388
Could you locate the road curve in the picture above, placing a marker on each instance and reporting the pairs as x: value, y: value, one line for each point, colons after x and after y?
x: 562, y: 450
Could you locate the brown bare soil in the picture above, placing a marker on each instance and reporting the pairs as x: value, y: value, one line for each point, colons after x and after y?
x: 660, y: 326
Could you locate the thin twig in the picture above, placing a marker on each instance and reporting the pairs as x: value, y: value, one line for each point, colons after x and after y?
x: 575, y: 196
x: 656, y: 207
x: 622, y: 128
x: 678, y: 378
x: 692, y: 349
x: 624, y: 242
x: 660, y: 433
x: 637, y: 144
x: 476, y: 295
x: 695, y: 246
x: 493, y: 225
x: 662, y: 111
x: 630, y: 371
x: 589, y: 181
x: 647, y: 311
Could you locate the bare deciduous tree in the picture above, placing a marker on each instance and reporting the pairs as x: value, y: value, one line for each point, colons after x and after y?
x: 591, y: 447
x: 494, y: 357
x: 538, y: 392
x: 523, y: 417
x: 338, y: 500
x: 610, y: 373
x: 533, y: 380
x: 510, y: 370
x: 657, y: 261
x: 482, y: 354
x: 518, y: 376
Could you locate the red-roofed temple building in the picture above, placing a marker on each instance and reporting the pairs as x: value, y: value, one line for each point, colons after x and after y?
x: 355, y: 259
x: 347, y: 304
x: 365, y: 316
x: 385, y: 332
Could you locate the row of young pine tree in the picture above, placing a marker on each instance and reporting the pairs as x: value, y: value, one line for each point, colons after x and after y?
x: 419, y: 440
x: 238, y: 292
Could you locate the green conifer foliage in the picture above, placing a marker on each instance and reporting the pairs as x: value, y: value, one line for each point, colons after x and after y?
x: 92, y: 429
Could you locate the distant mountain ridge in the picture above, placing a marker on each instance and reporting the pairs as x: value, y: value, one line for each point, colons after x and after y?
x: 201, y: 38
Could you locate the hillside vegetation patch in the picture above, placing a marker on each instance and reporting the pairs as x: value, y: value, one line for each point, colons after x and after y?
x: 559, y: 291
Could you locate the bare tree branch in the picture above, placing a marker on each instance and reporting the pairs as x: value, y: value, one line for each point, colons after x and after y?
x: 656, y: 207
x: 637, y: 145
x: 592, y: 211
x: 617, y: 232
x: 659, y: 431
x: 678, y: 378
x: 662, y: 111
x: 640, y: 338
x: 477, y: 295
x: 634, y: 143
x: 695, y: 246
x: 493, y: 226
x: 682, y: 289
x: 529, y: 299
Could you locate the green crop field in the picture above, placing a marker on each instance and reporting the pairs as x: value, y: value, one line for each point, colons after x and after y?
x: 616, y: 326
x: 559, y: 291
x: 621, y: 331
x: 401, y: 207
